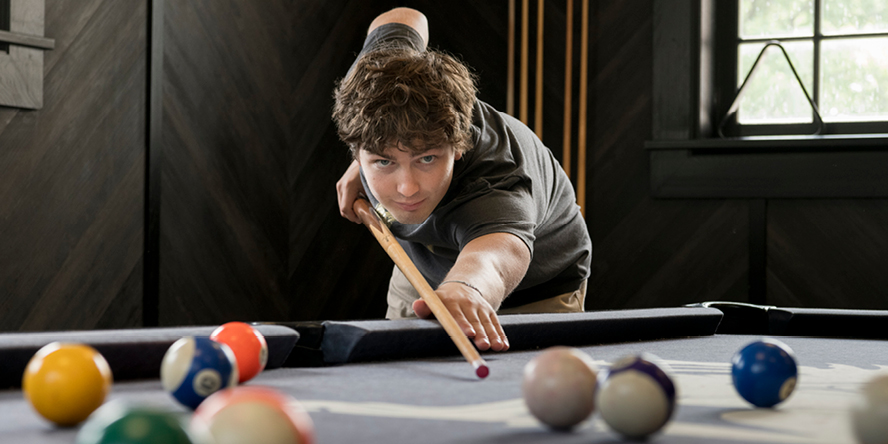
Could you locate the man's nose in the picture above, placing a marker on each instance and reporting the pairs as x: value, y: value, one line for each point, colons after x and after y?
x: 407, y: 184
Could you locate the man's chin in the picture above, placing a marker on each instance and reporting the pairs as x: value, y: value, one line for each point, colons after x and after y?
x: 409, y: 218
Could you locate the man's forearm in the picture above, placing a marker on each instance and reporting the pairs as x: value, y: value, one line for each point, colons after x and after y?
x: 493, y: 265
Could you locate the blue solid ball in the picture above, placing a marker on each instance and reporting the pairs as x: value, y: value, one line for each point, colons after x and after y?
x: 195, y: 367
x: 764, y: 372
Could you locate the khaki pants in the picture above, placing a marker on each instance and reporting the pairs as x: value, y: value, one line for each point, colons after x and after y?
x: 401, y: 295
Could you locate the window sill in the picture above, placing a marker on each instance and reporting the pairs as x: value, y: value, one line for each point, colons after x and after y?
x: 833, y: 166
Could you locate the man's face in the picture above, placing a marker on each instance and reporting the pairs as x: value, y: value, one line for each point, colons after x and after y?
x: 409, y: 185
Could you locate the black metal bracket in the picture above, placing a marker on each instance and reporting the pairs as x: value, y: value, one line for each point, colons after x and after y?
x: 736, y: 103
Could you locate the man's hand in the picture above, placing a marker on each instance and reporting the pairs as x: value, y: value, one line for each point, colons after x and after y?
x: 348, y: 188
x: 494, y: 264
x: 472, y: 313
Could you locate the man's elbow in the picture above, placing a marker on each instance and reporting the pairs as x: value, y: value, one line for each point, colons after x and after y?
x: 406, y: 16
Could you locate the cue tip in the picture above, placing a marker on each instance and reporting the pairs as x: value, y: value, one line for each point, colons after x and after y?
x: 481, y: 369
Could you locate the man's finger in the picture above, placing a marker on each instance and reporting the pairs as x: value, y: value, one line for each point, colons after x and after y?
x: 498, y: 341
x: 482, y: 340
x: 421, y: 309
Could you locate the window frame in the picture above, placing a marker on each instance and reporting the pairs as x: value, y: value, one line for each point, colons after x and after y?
x: 727, y: 78
x: 688, y: 159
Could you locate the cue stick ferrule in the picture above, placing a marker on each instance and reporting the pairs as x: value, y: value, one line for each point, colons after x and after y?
x: 380, y: 231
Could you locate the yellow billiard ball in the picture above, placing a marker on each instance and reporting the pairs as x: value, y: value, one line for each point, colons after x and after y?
x: 66, y: 382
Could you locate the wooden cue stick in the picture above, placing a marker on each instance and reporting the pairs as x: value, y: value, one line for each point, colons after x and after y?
x: 510, y: 68
x: 399, y: 256
x: 568, y: 78
x: 581, y: 136
x: 525, y: 25
x: 538, y: 90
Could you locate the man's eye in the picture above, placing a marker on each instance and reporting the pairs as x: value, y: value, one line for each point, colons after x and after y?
x: 383, y: 162
x: 427, y: 159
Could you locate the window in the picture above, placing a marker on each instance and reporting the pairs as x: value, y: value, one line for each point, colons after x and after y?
x: 838, y: 49
x: 21, y: 53
x: 695, y: 76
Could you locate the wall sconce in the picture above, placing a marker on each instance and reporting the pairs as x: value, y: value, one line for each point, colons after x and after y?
x: 21, y: 53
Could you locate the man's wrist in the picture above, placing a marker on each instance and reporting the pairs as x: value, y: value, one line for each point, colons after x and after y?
x: 465, y: 284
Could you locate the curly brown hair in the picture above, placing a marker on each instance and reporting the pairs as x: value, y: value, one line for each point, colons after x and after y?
x: 422, y: 99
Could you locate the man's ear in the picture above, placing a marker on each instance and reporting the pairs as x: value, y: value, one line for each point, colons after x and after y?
x: 457, y: 155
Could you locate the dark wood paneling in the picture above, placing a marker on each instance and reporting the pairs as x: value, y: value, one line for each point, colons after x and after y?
x: 798, y: 167
x: 458, y: 27
x: 828, y: 253
x: 336, y: 269
x: 71, y: 176
x: 227, y: 134
x: 647, y: 252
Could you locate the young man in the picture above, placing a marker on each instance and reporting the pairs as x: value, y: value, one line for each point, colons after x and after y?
x: 477, y: 201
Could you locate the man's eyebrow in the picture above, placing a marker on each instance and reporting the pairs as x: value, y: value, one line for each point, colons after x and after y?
x: 426, y: 152
x: 382, y: 155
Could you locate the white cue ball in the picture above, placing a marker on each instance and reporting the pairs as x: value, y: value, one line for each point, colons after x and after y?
x: 637, y: 396
x: 559, y: 387
x: 869, y: 414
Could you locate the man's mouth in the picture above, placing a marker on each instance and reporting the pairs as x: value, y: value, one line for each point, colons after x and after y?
x: 408, y: 206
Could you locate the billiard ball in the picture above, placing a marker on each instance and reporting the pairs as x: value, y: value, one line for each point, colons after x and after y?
x: 764, y: 372
x: 248, y: 345
x: 195, y: 367
x: 559, y: 387
x: 252, y: 414
x: 66, y: 382
x: 118, y: 422
x: 637, y: 394
x: 869, y: 412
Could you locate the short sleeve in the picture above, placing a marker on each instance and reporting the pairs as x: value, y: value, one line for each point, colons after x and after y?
x: 507, y: 207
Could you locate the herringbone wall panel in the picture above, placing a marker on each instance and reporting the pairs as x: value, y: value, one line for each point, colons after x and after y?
x: 72, y: 176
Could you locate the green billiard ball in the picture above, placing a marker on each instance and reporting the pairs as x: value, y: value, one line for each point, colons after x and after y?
x: 117, y: 422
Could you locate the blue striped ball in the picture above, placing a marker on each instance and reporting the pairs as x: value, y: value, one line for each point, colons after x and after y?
x: 195, y: 367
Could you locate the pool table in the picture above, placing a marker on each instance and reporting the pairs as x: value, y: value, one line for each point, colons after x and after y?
x: 402, y: 381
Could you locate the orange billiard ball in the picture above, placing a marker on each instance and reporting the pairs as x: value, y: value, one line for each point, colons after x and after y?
x: 66, y: 382
x: 248, y: 345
